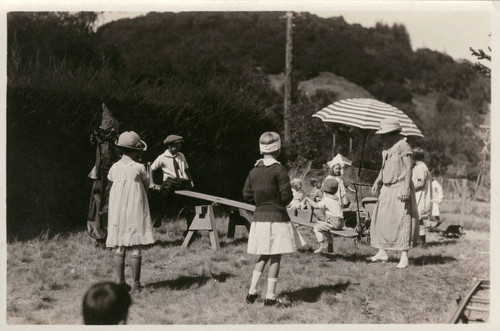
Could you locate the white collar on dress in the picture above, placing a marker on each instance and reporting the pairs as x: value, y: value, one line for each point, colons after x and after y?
x: 267, y: 161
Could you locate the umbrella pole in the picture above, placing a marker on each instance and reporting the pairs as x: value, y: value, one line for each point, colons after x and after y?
x: 359, y: 180
x: 362, y: 155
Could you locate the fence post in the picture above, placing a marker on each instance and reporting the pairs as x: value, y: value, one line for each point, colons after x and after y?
x: 464, y: 200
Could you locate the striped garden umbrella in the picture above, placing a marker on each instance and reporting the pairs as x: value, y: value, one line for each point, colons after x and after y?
x: 366, y: 114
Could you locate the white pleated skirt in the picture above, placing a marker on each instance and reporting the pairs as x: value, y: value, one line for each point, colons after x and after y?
x: 270, y: 238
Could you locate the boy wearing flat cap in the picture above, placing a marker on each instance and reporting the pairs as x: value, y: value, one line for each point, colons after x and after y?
x: 172, y: 162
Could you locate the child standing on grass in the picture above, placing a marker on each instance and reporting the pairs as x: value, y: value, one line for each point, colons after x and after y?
x: 334, y: 219
x: 423, y: 192
x: 106, y: 303
x: 271, y: 233
x: 129, y: 220
x: 437, y: 197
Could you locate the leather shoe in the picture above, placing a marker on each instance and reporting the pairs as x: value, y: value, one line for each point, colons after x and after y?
x: 251, y: 297
x: 277, y: 302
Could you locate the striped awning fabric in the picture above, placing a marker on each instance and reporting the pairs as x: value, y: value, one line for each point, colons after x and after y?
x: 366, y: 114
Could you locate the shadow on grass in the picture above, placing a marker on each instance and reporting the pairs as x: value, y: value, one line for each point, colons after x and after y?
x: 234, y: 242
x: 431, y: 259
x: 168, y: 243
x: 419, y: 261
x: 441, y: 243
x: 312, y: 294
x: 346, y: 257
x: 186, y: 282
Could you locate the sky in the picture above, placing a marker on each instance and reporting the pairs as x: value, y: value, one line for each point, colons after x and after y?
x: 452, y: 33
x: 450, y: 28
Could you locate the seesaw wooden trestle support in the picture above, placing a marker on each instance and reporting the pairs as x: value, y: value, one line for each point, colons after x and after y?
x: 204, y: 219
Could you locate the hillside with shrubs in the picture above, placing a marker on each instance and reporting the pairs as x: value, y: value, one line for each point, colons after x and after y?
x: 207, y: 76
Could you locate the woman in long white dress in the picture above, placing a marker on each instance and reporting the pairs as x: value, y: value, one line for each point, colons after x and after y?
x: 394, y: 223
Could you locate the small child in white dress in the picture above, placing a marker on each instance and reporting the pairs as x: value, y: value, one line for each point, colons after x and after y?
x: 298, y: 196
x: 336, y: 172
x: 129, y: 220
x: 437, y: 197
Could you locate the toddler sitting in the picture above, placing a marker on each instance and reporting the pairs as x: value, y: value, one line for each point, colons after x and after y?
x: 316, y: 193
x: 298, y: 196
x: 333, y: 216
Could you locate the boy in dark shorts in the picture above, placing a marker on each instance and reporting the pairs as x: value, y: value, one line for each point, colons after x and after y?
x: 176, y: 175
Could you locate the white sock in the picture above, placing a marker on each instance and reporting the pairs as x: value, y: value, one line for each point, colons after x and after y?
x: 271, y: 288
x: 255, y: 280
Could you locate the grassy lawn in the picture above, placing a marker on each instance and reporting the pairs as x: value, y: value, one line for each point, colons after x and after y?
x: 46, y: 279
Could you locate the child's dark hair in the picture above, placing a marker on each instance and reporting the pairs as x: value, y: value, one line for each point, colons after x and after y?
x: 418, y: 154
x: 106, y: 303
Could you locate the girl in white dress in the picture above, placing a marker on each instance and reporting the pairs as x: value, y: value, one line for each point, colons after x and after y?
x: 129, y: 220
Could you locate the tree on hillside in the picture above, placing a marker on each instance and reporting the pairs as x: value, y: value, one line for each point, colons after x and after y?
x: 479, y: 67
x: 51, y: 38
x: 454, y: 141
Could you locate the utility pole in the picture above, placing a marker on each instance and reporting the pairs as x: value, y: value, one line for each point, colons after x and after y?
x: 288, y: 78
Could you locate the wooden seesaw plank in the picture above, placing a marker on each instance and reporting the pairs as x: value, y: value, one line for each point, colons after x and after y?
x: 246, y: 210
x: 303, y: 218
x: 219, y: 200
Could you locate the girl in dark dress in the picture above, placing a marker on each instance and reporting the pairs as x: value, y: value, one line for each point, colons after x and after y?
x: 271, y: 233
